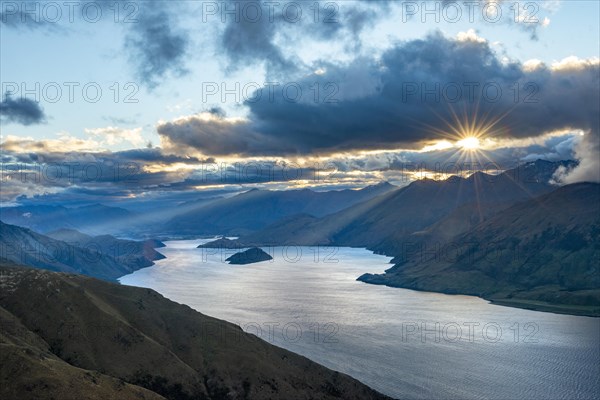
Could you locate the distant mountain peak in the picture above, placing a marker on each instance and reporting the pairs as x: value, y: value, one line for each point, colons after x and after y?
x: 383, y: 184
x: 454, y: 179
x: 480, y: 175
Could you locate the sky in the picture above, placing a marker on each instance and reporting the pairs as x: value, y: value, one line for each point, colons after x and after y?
x: 145, y: 100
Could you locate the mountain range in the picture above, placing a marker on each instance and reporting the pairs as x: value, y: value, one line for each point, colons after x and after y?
x: 255, y: 209
x: 242, y: 213
x: 93, y: 218
x: 383, y: 221
x: 448, y: 219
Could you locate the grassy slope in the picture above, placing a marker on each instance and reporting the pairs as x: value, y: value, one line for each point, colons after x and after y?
x: 29, y: 370
x: 100, y: 338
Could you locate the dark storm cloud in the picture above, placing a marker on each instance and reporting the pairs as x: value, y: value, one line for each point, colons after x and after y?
x: 217, y: 136
x: 21, y: 111
x: 403, y: 100
x: 157, y: 46
x: 246, y: 41
x: 271, y: 38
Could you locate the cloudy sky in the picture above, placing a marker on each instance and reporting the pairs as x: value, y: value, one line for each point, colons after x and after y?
x: 139, y: 100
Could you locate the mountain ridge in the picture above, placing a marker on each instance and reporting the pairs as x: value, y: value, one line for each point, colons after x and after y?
x: 104, y: 257
x: 255, y: 209
x: 538, y: 254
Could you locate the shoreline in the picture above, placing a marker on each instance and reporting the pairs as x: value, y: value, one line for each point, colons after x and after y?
x: 535, y: 305
x: 525, y: 304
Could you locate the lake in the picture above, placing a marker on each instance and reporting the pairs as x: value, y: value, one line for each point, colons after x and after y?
x: 401, y: 342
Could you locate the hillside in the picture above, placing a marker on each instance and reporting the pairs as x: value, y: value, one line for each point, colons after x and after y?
x: 540, y: 253
x: 128, y: 252
x: 103, y: 257
x: 97, y: 340
x: 255, y: 209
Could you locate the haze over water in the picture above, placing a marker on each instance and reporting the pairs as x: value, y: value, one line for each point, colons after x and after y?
x: 309, y: 302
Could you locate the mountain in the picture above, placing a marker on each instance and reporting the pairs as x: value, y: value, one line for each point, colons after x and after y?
x: 128, y: 252
x: 95, y: 218
x: 97, y: 340
x: 104, y: 257
x: 255, y: 209
x: 391, y: 218
x: 541, y: 253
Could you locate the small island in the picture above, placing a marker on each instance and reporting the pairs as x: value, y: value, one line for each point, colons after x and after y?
x: 250, y: 256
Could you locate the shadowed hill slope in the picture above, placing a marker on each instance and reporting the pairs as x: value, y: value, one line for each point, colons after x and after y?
x: 544, y: 250
x: 129, y: 252
x: 104, y: 257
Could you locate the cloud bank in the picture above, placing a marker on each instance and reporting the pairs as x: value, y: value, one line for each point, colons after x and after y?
x: 410, y: 96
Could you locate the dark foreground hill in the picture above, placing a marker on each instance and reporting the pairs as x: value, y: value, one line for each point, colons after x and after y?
x: 74, y: 337
x: 542, y: 253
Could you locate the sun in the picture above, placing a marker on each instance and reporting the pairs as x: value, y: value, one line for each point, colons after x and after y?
x: 470, y: 143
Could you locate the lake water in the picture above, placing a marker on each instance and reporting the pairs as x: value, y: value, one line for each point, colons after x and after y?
x: 403, y: 343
